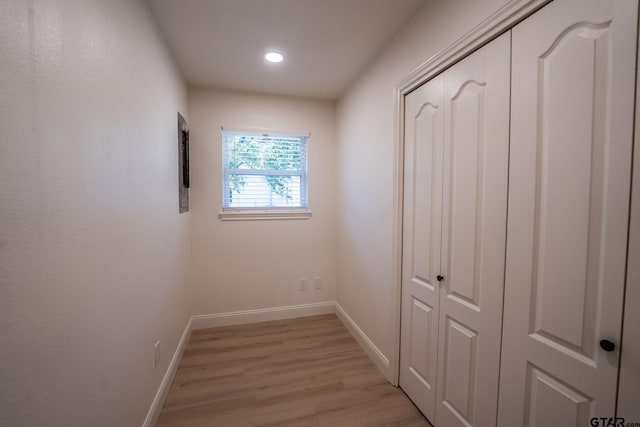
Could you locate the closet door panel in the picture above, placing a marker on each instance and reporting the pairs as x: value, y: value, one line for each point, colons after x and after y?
x: 424, y: 115
x: 474, y: 233
x: 573, y: 65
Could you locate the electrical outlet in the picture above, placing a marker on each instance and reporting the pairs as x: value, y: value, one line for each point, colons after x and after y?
x: 317, y: 282
x: 304, y: 284
x: 157, y: 353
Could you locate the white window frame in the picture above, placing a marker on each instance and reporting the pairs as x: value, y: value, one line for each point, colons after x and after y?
x: 265, y: 213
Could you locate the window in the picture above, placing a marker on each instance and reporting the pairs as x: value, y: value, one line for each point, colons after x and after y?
x: 263, y: 174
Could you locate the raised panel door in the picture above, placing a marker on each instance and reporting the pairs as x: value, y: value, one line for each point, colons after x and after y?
x: 424, y: 112
x: 570, y: 162
x: 475, y: 172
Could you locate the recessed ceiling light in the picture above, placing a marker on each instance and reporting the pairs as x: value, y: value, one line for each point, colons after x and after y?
x: 273, y: 57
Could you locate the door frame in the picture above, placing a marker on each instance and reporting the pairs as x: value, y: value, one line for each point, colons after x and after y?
x: 628, y: 378
x: 499, y: 22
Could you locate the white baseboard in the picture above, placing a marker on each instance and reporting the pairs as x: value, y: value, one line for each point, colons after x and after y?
x: 261, y: 315
x: 369, y: 347
x: 203, y: 321
x: 161, y: 394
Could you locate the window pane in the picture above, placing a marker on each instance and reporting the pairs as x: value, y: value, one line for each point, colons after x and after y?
x: 256, y: 152
x: 263, y: 171
x: 250, y: 191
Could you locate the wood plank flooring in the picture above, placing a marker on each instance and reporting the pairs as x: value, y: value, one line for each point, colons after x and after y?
x: 297, y: 372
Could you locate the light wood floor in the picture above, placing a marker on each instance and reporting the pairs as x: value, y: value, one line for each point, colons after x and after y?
x: 299, y: 372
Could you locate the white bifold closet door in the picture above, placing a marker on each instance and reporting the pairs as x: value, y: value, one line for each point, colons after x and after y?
x: 570, y: 165
x: 454, y: 226
x: 422, y: 224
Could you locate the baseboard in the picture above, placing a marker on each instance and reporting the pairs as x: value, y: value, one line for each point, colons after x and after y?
x: 161, y: 394
x: 254, y: 316
x: 369, y: 347
x: 203, y: 321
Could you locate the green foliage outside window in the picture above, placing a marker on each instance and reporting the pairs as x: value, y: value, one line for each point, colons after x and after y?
x: 255, y: 152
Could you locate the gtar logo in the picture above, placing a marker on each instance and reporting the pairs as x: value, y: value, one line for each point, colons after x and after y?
x: 607, y: 422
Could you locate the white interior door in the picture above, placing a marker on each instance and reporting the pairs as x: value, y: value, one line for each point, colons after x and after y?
x: 456, y: 137
x: 476, y: 164
x: 424, y: 118
x: 572, y: 116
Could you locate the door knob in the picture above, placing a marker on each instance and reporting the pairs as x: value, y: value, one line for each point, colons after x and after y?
x: 607, y: 345
x: 440, y: 277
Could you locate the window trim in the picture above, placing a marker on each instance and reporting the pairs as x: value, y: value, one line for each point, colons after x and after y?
x: 266, y: 213
x: 255, y: 214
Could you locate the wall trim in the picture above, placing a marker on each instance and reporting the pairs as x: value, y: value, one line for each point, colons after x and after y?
x: 628, y: 374
x: 367, y: 345
x: 239, y: 215
x: 165, y: 384
x: 203, y: 321
x: 502, y: 20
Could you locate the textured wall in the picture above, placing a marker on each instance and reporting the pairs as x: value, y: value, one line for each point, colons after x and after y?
x: 242, y: 265
x: 93, y: 253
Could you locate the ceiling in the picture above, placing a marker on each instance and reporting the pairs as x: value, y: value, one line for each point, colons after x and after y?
x: 326, y: 43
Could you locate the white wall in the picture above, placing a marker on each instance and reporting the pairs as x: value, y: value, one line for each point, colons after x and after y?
x: 93, y: 253
x: 245, y: 265
x: 365, y: 167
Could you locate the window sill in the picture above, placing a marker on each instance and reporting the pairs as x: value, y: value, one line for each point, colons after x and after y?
x: 250, y: 215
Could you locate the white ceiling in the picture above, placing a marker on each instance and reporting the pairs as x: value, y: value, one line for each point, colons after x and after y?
x: 326, y: 43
